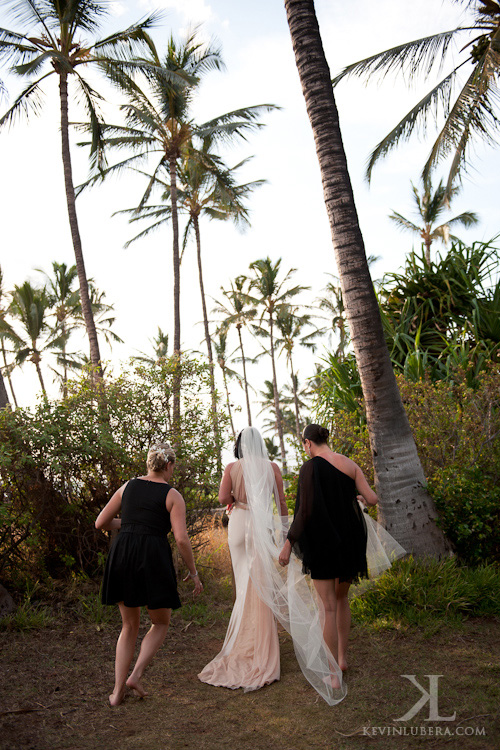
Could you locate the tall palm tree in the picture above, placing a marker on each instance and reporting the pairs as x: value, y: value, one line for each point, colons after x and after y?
x: 221, y: 355
x: 291, y: 327
x: 159, y: 124
x: 30, y: 306
x: 57, y: 39
x: 472, y: 114
x: 206, y: 189
x: 5, y: 327
x: 430, y: 204
x: 273, y: 296
x: 406, y: 507
x: 239, y: 313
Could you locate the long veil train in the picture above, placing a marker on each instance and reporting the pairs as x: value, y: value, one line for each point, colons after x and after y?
x: 286, y: 591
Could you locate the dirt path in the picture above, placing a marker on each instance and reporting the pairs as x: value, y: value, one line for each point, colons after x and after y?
x: 54, y: 685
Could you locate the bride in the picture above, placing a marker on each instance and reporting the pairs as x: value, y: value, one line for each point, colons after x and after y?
x: 265, y: 592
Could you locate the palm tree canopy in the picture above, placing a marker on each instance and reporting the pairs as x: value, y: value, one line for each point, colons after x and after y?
x: 54, y: 36
x: 470, y: 115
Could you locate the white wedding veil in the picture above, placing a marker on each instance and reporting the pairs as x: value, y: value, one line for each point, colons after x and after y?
x: 286, y: 591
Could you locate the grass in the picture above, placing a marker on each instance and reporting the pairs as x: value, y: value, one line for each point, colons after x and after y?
x: 55, y: 680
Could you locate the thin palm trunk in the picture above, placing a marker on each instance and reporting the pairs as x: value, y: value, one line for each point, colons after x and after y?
x: 295, y: 401
x: 243, y: 361
x: 228, y: 401
x: 279, y: 423
x: 4, y: 399
x: 406, y: 508
x: 209, y: 344
x: 88, y: 316
x: 36, y: 361
x: 4, y: 356
x: 177, y: 308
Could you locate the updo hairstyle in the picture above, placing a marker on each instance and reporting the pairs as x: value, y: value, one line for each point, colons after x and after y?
x: 316, y: 434
x: 159, y: 456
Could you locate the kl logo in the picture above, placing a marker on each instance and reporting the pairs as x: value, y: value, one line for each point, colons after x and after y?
x: 428, y: 696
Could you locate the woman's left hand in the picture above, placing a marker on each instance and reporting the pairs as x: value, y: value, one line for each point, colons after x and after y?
x: 285, y: 553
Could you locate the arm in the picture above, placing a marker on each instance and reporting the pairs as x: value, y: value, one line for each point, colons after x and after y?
x: 281, y: 493
x: 177, y: 509
x: 366, y: 494
x: 106, y: 520
x: 225, y: 496
x: 303, y: 509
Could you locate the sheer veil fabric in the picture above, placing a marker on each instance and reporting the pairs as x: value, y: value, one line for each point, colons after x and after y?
x: 286, y: 591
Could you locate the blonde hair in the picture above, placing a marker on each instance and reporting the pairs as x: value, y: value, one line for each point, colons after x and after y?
x: 159, y: 456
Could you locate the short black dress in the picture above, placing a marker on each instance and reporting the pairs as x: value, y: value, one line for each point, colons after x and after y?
x: 139, y: 569
x: 328, y: 532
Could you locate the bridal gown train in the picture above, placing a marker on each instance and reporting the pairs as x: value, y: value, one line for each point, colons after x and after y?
x: 250, y: 656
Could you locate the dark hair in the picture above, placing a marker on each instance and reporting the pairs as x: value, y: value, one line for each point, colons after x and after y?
x: 316, y: 434
x: 237, y: 449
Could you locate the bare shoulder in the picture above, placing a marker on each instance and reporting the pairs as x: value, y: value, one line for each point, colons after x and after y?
x: 276, y: 468
x: 230, y: 466
x: 174, y: 497
x: 346, y: 465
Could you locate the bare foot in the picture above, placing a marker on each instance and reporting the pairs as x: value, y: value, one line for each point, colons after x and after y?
x: 332, y: 681
x: 116, y: 697
x: 135, y: 685
x: 343, y: 665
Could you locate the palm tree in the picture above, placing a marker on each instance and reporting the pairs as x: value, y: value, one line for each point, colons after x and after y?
x: 291, y: 326
x: 206, y: 188
x: 471, y: 116
x: 58, y: 39
x: 220, y: 346
x: 30, y: 306
x: 273, y: 297
x: 5, y: 327
x: 238, y: 313
x: 430, y: 205
x: 406, y: 507
x: 160, y: 350
x: 160, y: 124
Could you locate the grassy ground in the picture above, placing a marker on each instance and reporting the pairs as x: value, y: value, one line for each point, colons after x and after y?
x: 55, y: 680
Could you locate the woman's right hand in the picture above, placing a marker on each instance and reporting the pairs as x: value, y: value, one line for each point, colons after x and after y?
x: 198, y: 586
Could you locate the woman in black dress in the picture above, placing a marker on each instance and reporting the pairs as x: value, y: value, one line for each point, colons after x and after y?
x: 328, y: 532
x: 139, y: 569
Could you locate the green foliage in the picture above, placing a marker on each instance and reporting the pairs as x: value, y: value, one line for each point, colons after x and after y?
x: 61, y: 462
x: 457, y: 431
x: 428, y: 594
x: 468, y: 503
x: 29, y: 615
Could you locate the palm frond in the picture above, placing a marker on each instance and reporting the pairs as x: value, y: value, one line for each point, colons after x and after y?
x: 29, y: 100
x: 408, y: 58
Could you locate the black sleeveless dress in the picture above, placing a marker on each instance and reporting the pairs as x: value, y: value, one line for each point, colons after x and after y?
x: 328, y: 532
x: 139, y: 569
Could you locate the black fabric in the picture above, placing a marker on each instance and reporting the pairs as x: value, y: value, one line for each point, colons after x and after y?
x: 139, y: 570
x: 328, y: 532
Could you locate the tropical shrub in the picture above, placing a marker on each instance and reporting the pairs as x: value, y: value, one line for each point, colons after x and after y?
x: 61, y: 462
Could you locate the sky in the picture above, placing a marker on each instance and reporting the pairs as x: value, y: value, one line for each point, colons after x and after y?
x: 288, y: 216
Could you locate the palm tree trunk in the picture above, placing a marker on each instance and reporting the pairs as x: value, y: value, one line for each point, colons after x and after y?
x: 228, y: 400
x: 8, y: 377
x: 209, y: 345
x: 4, y: 399
x: 279, y: 423
x: 296, y: 402
x: 406, y: 508
x: 95, y: 356
x: 177, y: 296
x: 244, y: 375
x: 36, y: 361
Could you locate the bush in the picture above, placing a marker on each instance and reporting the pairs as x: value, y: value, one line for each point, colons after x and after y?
x: 61, y: 462
x: 428, y: 593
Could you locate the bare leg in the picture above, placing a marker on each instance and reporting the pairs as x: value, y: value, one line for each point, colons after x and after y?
x: 125, y: 647
x: 326, y: 592
x: 343, y: 621
x: 151, y: 642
